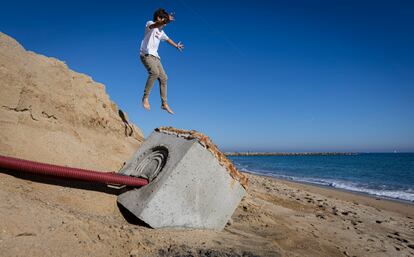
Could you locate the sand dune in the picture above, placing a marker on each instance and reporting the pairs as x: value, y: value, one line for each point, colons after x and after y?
x: 52, y: 114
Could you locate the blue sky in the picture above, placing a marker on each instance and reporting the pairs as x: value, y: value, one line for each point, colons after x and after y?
x: 254, y: 75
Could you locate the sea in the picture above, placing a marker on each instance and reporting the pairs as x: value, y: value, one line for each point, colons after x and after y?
x: 386, y: 175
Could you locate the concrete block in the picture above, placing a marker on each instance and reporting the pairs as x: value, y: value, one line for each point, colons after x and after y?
x: 188, y: 186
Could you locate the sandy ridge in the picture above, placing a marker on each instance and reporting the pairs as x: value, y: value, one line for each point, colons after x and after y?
x: 52, y: 114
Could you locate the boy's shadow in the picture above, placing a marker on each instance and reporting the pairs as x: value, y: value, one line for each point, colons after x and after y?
x: 128, y: 128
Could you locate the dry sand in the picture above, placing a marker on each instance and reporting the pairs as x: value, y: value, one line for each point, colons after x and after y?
x: 47, y: 217
x: 51, y: 114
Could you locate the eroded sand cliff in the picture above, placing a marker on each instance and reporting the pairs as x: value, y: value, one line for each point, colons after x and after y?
x: 52, y: 114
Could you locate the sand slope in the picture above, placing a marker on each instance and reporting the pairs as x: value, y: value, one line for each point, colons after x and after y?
x: 52, y: 114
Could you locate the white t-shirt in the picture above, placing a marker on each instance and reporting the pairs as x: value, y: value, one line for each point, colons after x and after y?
x: 151, y: 41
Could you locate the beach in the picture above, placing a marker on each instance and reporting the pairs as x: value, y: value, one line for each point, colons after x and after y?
x: 50, y: 217
x: 52, y: 114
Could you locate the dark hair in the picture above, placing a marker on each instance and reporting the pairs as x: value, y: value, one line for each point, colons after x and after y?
x: 160, y: 13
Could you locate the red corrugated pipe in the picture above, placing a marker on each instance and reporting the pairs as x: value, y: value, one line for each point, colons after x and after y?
x: 66, y: 172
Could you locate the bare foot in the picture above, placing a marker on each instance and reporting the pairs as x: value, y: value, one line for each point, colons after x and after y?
x: 146, y: 104
x: 167, y: 108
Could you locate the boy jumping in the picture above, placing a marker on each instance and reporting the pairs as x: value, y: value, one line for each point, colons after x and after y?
x: 154, y: 33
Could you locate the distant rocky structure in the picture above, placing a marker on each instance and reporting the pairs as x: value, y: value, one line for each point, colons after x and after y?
x: 52, y: 114
x: 286, y: 154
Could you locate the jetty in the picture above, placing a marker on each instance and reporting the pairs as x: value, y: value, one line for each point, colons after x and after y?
x: 288, y: 153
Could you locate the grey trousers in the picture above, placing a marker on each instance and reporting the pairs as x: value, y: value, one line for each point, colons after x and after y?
x: 155, y: 71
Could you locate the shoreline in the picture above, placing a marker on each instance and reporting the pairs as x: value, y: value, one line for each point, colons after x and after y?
x: 380, y: 202
x: 361, y: 173
x: 290, y: 153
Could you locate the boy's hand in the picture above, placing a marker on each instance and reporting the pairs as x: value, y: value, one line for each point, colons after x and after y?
x: 171, y: 17
x: 180, y: 46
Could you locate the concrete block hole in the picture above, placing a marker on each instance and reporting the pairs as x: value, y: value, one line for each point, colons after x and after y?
x: 151, y: 163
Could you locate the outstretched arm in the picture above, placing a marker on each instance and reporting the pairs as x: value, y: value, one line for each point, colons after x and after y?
x: 178, y: 45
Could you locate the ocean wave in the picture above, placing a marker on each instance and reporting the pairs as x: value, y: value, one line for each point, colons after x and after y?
x: 395, y: 194
x: 406, y: 194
